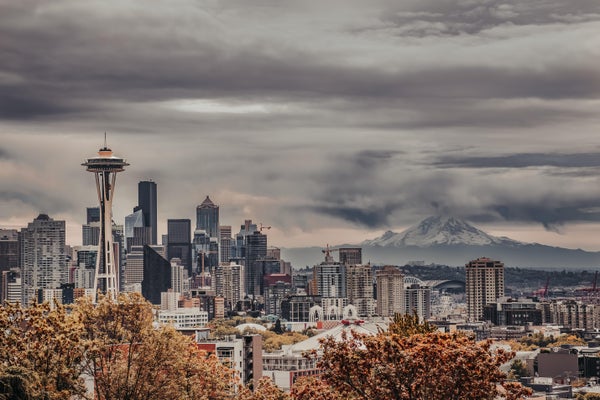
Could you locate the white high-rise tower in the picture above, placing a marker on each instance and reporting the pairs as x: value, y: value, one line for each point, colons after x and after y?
x: 105, y: 168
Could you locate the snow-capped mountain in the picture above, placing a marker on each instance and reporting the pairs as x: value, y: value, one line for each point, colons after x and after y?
x: 451, y: 241
x: 439, y: 231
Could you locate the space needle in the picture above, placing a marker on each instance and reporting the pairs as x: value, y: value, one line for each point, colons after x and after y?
x: 105, y: 168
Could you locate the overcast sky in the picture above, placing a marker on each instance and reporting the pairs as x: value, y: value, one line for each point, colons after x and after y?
x: 331, y: 121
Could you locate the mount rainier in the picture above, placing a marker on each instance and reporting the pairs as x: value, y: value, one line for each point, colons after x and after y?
x: 452, y: 241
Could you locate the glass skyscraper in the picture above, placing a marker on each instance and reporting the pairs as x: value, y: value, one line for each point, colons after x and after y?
x: 207, y: 217
x: 147, y: 203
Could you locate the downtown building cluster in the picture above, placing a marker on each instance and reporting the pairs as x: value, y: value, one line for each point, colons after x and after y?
x: 203, y: 267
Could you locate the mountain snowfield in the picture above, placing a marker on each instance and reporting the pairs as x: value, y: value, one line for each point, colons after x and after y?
x: 452, y: 241
x: 439, y: 230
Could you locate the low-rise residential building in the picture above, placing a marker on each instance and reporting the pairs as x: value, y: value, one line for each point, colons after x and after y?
x: 184, y: 317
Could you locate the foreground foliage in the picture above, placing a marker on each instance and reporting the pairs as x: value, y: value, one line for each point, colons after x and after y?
x: 41, y: 352
x: 46, y: 354
x: 411, y: 361
x: 132, y: 359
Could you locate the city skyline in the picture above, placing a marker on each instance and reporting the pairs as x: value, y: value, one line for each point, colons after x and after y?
x: 331, y: 123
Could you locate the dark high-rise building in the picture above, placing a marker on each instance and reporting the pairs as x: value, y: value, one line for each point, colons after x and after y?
x: 179, y: 242
x: 9, y: 249
x: 256, y: 250
x: 90, y: 234
x: 9, y: 252
x: 225, y: 242
x: 157, y: 275
x: 92, y: 214
x: 350, y: 255
x: 207, y: 217
x: 147, y: 203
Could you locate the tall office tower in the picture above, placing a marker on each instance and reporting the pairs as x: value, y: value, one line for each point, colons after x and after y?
x: 484, y: 284
x: 133, y: 221
x: 43, y: 258
x: 90, y: 234
x: 92, y: 214
x: 256, y: 250
x: 147, y: 203
x: 225, y: 242
x: 330, y: 279
x: 105, y: 168
x: 9, y: 253
x: 179, y: 242
x: 359, y: 289
x: 350, y: 255
x: 178, y: 276
x: 134, y: 266
x: 417, y: 299
x: 390, y: 291
x: 229, y: 281
x: 207, y: 217
x: 157, y: 274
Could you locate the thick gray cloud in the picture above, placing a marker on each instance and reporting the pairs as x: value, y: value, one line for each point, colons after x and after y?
x: 525, y: 160
x: 305, y: 115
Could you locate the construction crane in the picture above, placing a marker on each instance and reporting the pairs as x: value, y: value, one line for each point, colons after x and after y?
x: 327, y: 251
x: 594, y: 289
x: 261, y: 227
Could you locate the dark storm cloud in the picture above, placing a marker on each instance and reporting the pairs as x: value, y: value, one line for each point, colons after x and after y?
x: 402, y: 194
x: 93, y: 56
x: 448, y: 18
x: 345, y: 190
x: 370, y: 217
x: 524, y: 160
x: 35, y: 200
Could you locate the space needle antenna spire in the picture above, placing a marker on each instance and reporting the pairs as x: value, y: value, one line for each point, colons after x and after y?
x: 105, y: 167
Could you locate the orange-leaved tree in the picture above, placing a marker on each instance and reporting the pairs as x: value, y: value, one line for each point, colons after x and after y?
x: 41, y: 352
x: 425, y: 365
x: 130, y: 358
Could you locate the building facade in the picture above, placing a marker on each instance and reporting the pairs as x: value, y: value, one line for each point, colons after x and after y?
x: 207, y: 217
x: 350, y: 255
x: 229, y: 281
x: 390, y: 291
x: 179, y: 242
x: 148, y: 205
x: 484, y: 284
x: 359, y: 288
x: 43, y: 257
x: 417, y: 300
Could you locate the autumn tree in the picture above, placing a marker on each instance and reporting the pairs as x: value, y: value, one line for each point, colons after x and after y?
x: 420, y: 366
x: 264, y: 389
x: 315, y: 388
x: 17, y: 383
x: 131, y: 359
x: 518, y: 369
x: 409, y: 324
x: 41, y: 352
